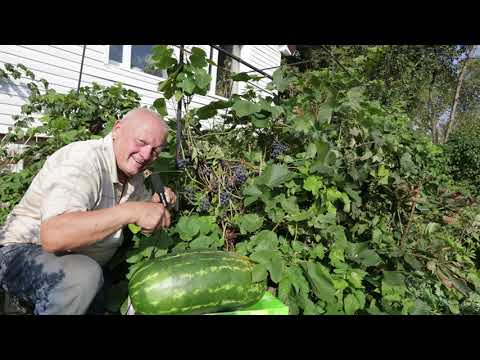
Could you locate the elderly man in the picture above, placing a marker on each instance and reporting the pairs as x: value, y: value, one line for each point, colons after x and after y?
x: 69, y: 223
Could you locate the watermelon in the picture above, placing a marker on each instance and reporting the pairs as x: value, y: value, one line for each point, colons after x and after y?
x: 194, y: 282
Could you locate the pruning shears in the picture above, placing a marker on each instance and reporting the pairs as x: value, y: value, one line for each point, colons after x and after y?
x: 159, y: 188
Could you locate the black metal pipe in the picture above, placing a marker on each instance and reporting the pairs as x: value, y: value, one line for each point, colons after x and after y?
x: 179, y: 116
x: 81, y: 69
x: 179, y: 129
x: 210, y: 64
x: 242, y: 61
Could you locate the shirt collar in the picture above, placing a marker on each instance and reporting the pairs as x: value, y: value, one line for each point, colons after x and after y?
x: 110, y: 157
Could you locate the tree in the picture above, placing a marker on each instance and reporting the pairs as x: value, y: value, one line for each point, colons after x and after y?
x: 456, y: 99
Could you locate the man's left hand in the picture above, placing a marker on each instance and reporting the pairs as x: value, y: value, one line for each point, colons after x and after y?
x: 169, y: 196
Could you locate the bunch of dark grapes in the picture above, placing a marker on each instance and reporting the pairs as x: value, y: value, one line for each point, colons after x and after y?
x: 278, y: 149
x: 204, y: 172
x: 240, y: 175
x: 182, y: 164
x: 224, y: 198
x: 205, y: 204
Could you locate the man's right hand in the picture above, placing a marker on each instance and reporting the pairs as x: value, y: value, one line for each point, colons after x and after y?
x: 150, y: 216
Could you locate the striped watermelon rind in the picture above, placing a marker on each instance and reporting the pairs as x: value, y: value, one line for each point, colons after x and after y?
x: 194, y: 282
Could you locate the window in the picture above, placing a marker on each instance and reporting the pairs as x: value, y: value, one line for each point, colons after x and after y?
x: 116, y: 53
x: 226, y: 67
x: 141, y: 59
x: 137, y: 57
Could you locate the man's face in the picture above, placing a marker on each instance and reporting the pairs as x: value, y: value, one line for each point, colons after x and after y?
x: 137, y: 142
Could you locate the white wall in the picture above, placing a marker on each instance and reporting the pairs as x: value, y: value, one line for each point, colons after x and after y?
x: 60, y: 66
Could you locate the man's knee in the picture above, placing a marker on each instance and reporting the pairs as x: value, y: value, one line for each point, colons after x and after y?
x: 82, y: 280
x: 83, y: 272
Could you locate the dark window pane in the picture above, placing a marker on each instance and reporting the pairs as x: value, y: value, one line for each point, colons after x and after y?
x: 141, y: 59
x: 116, y: 53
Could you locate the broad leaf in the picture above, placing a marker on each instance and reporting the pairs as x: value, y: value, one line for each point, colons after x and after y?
x: 313, y: 184
x: 244, y: 108
x: 249, y: 223
x: 187, y: 227
x: 351, y: 304
x: 321, y: 282
x: 259, y: 273
x: 274, y: 175
x: 160, y: 106
x: 198, y: 57
x: 203, y: 242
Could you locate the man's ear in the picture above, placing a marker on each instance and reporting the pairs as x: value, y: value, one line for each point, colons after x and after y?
x: 116, y: 128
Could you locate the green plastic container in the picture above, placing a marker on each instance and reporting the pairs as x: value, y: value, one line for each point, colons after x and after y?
x: 267, y: 305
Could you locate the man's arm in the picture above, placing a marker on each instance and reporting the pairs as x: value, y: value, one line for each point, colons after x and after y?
x: 71, y: 230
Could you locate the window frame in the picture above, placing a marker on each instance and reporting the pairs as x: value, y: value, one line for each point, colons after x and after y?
x: 237, y: 50
x: 126, y: 63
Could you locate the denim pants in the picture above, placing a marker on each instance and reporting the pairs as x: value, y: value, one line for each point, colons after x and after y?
x: 51, y: 284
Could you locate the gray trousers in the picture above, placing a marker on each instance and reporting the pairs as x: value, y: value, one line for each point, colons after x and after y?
x: 50, y: 284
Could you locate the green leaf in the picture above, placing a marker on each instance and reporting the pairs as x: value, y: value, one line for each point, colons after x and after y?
x: 313, y: 184
x: 413, y: 262
x: 351, y: 304
x: 206, y: 112
x: 206, y: 224
x: 279, y: 80
x: 202, y: 242
x: 245, y: 77
x: 318, y: 251
x: 262, y: 256
x: 252, y: 190
x: 355, y: 277
x: 276, y: 267
x: 321, y: 281
x: 360, y: 252
x: 265, y: 240
x: 134, y: 228
x: 162, y: 56
x: 187, y: 84
x: 355, y: 96
x: 288, y: 204
x: 260, y: 123
x: 210, y: 110
x: 249, y: 223
x: 274, y: 175
x: 244, y: 108
x: 383, y: 173
x: 160, y: 106
x: 322, y: 151
x: 325, y: 113
x: 202, y: 79
x: 187, y: 228
x: 311, y: 151
x: 198, y: 57
x: 393, y: 286
x: 178, y: 95
x: 284, y: 288
x: 249, y: 200
x: 406, y: 163
x: 259, y: 273
x: 297, y: 279
x: 302, y: 124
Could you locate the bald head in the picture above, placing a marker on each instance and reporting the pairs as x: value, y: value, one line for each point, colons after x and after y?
x: 138, y: 138
x: 140, y: 113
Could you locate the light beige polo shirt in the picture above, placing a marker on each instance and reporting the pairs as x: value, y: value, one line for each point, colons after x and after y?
x: 81, y: 176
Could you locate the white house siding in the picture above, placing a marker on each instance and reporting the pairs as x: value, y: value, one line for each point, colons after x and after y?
x: 60, y: 66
